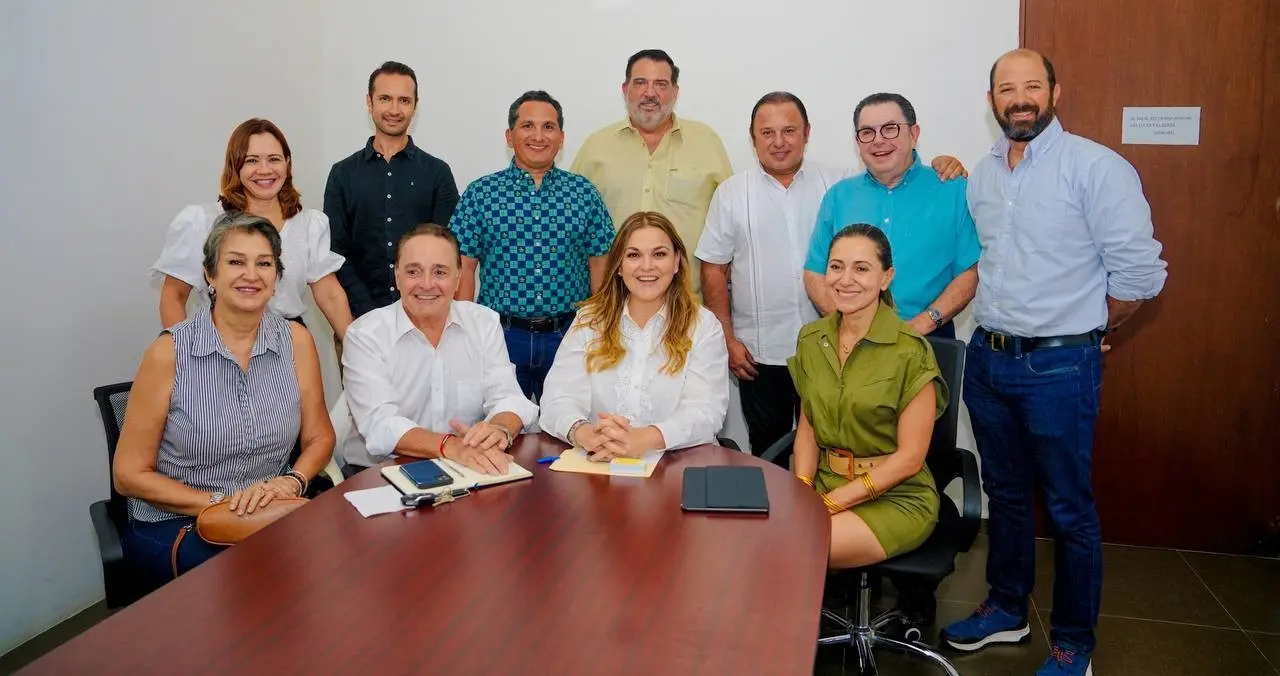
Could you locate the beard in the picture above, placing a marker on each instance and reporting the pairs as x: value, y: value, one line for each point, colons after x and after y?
x: 649, y: 120
x: 1023, y: 132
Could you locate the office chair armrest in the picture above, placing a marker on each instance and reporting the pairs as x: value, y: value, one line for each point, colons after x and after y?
x: 108, y: 537
x: 779, y: 446
x: 971, y: 507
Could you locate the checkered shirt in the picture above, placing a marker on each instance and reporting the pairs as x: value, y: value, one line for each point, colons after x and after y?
x: 532, y: 243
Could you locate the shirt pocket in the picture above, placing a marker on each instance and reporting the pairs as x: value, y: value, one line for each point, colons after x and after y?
x: 470, y: 401
x: 690, y: 187
x: 877, y: 393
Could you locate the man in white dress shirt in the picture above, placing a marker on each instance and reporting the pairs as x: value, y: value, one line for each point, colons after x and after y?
x: 757, y: 233
x: 428, y: 376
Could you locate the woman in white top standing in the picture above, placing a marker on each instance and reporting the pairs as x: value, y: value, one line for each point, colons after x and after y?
x: 644, y: 366
x: 257, y: 177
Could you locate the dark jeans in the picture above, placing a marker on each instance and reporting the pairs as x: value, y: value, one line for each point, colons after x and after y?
x: 149, y: 546
x: 532, y: 354
x: 1033, y: 415
x: 769, y: 407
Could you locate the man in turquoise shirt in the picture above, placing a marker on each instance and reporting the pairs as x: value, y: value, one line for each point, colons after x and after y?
x: 934, y: 241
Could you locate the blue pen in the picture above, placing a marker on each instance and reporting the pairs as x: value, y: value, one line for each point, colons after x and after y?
x: 547, y: 460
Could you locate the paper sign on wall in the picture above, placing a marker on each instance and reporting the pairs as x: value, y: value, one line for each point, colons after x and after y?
x: 1162, y: 126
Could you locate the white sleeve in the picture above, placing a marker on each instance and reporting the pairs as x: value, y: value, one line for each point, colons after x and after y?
x: 321, y: 260
x: 566, y: 392
x: 502, y: 393
x: 704, y: 396
x: 717, y: 242
x: 370, y: 394
x: 183, y: 255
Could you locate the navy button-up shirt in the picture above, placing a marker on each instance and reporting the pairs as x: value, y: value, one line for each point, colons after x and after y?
x: 371, y: 201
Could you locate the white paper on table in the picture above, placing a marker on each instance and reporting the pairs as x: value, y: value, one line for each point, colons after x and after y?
x: 373, y: 501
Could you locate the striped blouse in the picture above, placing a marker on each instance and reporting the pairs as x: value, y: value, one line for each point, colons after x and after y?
x: 227, y: 428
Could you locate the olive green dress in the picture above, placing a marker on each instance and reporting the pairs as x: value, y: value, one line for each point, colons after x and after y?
x: 855, y: 407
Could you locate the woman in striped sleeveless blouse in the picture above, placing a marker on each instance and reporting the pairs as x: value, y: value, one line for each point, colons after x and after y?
x: 218, y: 403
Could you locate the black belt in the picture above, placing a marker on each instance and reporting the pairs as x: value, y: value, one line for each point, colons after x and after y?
x: 539, y: 324
x: 1001, y: 342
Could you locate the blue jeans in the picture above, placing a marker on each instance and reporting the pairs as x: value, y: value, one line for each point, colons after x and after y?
x: 149, y: 546
x: 1033, y: 415
x: 532, y: 354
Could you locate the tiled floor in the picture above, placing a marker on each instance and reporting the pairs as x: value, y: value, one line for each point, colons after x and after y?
x: 1164, y: 613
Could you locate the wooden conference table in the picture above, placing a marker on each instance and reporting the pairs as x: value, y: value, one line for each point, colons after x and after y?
x: 560, y: 574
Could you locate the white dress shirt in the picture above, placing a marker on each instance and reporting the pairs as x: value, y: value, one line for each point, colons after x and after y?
x: 304, y: 245
x: 396, y: 380
x: 688, y: 407
x: 762, y: 230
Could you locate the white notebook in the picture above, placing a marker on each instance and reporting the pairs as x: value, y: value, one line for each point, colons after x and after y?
x: 463, y: 477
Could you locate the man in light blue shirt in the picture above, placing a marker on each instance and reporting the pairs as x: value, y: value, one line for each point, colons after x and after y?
x: 935, y: 246
x: 1068, y: 254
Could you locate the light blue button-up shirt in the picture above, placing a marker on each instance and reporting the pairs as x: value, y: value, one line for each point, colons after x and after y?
x: 1065, y: 229
x: 926, y: 221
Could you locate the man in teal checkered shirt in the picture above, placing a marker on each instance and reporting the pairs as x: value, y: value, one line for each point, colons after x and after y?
x: 539, y: 235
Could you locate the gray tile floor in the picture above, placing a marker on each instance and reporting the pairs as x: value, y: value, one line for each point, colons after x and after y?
x: 1164, y: 613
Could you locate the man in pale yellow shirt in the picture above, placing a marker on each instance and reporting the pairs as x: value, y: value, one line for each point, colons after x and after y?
x: 654, y: 161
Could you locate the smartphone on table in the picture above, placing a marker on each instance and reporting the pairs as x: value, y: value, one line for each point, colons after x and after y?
x: 426, y: 474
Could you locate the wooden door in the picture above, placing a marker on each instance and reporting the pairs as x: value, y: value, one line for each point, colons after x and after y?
x: 1188, y: 443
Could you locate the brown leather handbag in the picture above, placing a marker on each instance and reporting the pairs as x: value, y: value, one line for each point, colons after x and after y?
x: 218, y: 525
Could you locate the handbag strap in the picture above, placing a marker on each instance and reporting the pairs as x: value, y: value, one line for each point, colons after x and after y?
x: 177, y: 544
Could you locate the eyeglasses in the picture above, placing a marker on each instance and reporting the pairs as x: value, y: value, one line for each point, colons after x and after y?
x: 887, y: 132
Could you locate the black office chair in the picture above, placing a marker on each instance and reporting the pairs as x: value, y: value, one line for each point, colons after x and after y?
x: 123, y: 584
x: 935, y: 559
x: 729, y: 444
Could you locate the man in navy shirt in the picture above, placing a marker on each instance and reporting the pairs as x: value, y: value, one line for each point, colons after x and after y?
x: 383, y: 191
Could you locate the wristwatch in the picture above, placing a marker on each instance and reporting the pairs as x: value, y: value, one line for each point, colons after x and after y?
x: 218, y: 496
x: 935, y: 315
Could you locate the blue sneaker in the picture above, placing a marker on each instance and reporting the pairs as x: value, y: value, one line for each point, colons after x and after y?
x: 986, y: 626
x: 1067, y: 660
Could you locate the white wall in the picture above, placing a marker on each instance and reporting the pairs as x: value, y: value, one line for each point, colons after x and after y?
x: 482, y: 54
x: 115, y: 115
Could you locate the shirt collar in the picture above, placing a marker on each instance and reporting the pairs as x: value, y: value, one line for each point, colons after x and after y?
x: 517, y: 174
x: 761, y: 173
x: 625, y: 125
x: 916, y: 167
x: 208, y: 341
x: 883, y: 330
x: 660, y: 314
x: 410, y: 151
x: 1039, y: 144
x: 404, y: 325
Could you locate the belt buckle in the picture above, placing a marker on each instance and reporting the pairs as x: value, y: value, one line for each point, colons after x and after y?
x: 997, y: 341
x: 541, y: 323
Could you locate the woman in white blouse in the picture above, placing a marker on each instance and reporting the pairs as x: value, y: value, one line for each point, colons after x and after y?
x: 644, y: 366
x: 257, y: 177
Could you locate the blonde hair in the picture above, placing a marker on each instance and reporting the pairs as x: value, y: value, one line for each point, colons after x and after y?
x: 603, y: 311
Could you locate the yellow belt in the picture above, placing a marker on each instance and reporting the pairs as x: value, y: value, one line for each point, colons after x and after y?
x: 848, y: 465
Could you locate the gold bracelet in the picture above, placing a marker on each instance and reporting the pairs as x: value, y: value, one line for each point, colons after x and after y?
x: 808, y: 481
x: 869, y: 485
x: 831, y: 504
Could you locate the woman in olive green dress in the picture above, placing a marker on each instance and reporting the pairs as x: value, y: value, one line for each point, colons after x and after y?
x: 870, y: 390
